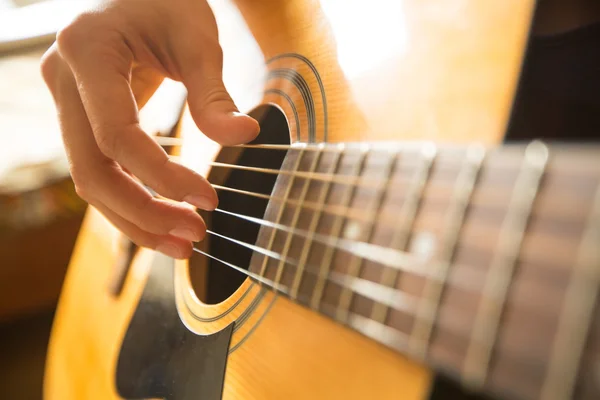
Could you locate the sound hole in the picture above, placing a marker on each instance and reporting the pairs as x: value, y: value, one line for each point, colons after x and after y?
x: 212, y: 281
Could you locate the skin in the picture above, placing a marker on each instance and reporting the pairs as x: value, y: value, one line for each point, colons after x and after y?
x: 101, y: 71
x: 106, y: 65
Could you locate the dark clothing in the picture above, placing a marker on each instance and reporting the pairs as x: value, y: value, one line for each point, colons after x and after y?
x: 559, y: 92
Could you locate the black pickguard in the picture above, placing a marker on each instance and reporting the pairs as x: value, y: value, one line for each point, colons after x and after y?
x: 160, y: 357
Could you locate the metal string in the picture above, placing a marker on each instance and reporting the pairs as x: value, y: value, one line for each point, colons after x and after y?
x: 361, y: 182
x: 389, y: 257
x: 393, y: 258
x: 340, y: 210
x: 391, y: 297
x: 386, y: 334
x: 372, y: 290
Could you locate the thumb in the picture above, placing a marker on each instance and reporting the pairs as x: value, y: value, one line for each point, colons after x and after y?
x: 211, y: 106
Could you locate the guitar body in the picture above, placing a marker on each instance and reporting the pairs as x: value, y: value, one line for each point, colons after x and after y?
x: 338, y: 72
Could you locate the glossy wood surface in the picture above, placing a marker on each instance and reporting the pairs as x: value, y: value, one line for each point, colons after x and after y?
x: 340, y: 71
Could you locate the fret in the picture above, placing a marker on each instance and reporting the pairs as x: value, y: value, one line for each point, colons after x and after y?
x: 288, y: 189
x: 577, y: 312
x: 336, y: 229
x: 356, y: 263
x: 430, y: 300
x: 296, y: 216
x: 316, y: 217
x: 406, y: 219
x: 500, y: 274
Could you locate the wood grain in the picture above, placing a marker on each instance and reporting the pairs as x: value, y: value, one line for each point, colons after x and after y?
x: 308, y: 59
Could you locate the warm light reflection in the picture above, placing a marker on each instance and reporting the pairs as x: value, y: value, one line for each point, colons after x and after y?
x: 363, y: 43
x: 38, y: 21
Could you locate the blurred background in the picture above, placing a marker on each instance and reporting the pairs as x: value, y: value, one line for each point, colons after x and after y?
x: 40, y: 214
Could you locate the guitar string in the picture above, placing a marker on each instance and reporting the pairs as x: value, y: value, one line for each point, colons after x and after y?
x: 369, y: 182
x: 370, y: 252
x: 340, y: 210
x: 351, y: 180
x: 284, y: 289
x: 327, y: 147
x: 392, y: 258
x: 348, y: 212
x: 383, y: 333
x: 451, y: 155
x: 315, y: 176
x: 395, y: 298
x: 361, y: 182
x: 345, y: 211
x: 407, y: 305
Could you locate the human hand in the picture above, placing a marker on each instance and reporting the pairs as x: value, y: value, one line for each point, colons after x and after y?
x: 102, y: 69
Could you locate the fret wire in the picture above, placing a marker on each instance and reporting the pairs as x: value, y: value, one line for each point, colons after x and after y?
x: 355, y: 265
x: 382, y: 255
x: 406, y: 219
x: 503, y: 264
x: 371, y: 290
x: 387, y: 257
x: 176, y: 141
x: 317, y: 176
x: 337, y: 225
x: 352, y: 214
x: 296, y: 217
x: 265, y: 260
x: 429, y: 302
x: 574, y: 324
x: 338, y: 210
x: 393, y: 146
x: 384, y: 334
x: 367, y: 183
x: 316, y: 217
x: 324, y: 177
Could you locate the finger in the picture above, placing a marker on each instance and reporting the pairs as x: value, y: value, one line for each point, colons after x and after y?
x: 166, y: 244
x: 112, y: 186
x: 100, y: 180
x: 211, y: 106
x: 102, y: 70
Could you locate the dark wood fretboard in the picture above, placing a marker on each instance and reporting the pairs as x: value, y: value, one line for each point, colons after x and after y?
x: 483, y: 263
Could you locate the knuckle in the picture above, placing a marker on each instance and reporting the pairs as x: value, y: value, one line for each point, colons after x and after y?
x: 106, y: 141
x: 82, y: 190
x: 75, y: 35
x: 92, y: 31
x: 212, y: 47
x: 215, y: 92
x: 51, y: 65
x: 144, y: 210
x: 84, y: 187
x: 142, y: 240
x: 165, y: 184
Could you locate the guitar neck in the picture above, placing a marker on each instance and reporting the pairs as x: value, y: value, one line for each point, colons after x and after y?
x: 482, y: 263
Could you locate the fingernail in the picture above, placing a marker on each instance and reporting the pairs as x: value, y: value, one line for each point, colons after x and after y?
x: 186, y: 234
x: 169, y: 249
x: 201, y: 202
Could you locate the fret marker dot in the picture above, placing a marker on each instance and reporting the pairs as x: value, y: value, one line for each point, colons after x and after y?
x: 423, y: 244
x: 352, y: 231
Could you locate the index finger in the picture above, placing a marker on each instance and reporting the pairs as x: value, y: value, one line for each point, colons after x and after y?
x: 102, y: 68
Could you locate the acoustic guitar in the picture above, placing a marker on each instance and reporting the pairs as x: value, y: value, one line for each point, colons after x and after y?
x: 377, y: 234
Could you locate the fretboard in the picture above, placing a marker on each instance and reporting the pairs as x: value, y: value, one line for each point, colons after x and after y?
x: 482, y: 263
